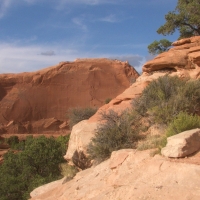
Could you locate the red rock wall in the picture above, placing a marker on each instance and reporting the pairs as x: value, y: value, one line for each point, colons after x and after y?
x: 50, y: 92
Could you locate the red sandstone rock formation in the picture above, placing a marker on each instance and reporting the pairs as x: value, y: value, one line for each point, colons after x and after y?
x: 185, y: 54
x: 49, y: 93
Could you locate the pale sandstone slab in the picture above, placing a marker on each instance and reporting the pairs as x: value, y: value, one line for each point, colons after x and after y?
x: 80, y: 137
x: 182, y: 144
x: 139, y: 176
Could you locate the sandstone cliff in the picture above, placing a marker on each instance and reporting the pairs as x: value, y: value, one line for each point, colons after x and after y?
x: 49, y: 93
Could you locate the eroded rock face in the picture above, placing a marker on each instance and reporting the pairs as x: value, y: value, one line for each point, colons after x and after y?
x: 128, y: 174
x: 50, y: 92
x: 79, y: 139
x: 185, y: 54
x: 182, y: 144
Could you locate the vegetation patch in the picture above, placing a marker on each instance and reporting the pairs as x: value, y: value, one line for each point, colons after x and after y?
x: 163, y: 99
x: 37, y: 163
x: 114, y: 133
x: 183, y: 122
x: 77, y: 114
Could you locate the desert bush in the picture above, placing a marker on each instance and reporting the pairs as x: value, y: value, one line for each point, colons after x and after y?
x: 114, y: 133
x: 68, y: 171
x: 108, y: 100
x: 76, y: 115
x: 163, y: 99
x: 151, y: 142
x: 183, y: 122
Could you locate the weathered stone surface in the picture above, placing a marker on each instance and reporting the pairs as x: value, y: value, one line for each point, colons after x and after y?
x: 35, y: 127
x: 138, y: 176
x: 182, y: 144
x: 50, y: 92
x: 79, y: 139
x: 185, y: 54
x: 2, y: 130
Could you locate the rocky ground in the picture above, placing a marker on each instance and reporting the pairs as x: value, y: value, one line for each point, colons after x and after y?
x: 129, y: 174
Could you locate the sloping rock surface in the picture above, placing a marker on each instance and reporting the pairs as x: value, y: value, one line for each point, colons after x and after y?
x: 50, y: 92
x: 128, y: 174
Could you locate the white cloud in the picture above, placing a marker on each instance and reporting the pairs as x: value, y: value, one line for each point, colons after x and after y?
x: 48, y: 53
x: 79, y: 22
x: 15, y: 58
x: 110, y: 18
x: 4, y: 5
x: 89, y: 2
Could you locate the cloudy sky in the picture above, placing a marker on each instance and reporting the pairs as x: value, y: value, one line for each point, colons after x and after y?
x: 35, y: 34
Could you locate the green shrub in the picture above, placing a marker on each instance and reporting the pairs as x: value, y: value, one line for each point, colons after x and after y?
x: 76, y: 115
x: 68, y: 171
x: 164, y: 98
x: 151, y: 142
x: 12, y: 141
x: 183, y: 122
x: 114, y: 133
x: 108, y: 100
x: 63, y: 140
x: 36, y: 165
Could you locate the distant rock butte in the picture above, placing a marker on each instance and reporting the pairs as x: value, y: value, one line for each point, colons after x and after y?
x: 49, y: 93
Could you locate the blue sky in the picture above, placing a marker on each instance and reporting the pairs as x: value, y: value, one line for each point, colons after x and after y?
x: 35, y: 34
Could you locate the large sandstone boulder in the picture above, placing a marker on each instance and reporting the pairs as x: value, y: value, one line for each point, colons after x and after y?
x: 185, y: 54
x: 182, y: 144
x: 50, y: 92
x: 79, y: 139
x: 128, y: 174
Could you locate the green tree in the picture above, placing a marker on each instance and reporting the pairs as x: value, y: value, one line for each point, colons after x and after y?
x: 37, y: 164
x: 158, y: 47
x: 185, y: 18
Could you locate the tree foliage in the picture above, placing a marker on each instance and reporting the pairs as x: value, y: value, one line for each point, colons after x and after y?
x: 37, y: 164
x: 185, y: 18
x: 158, y: 47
